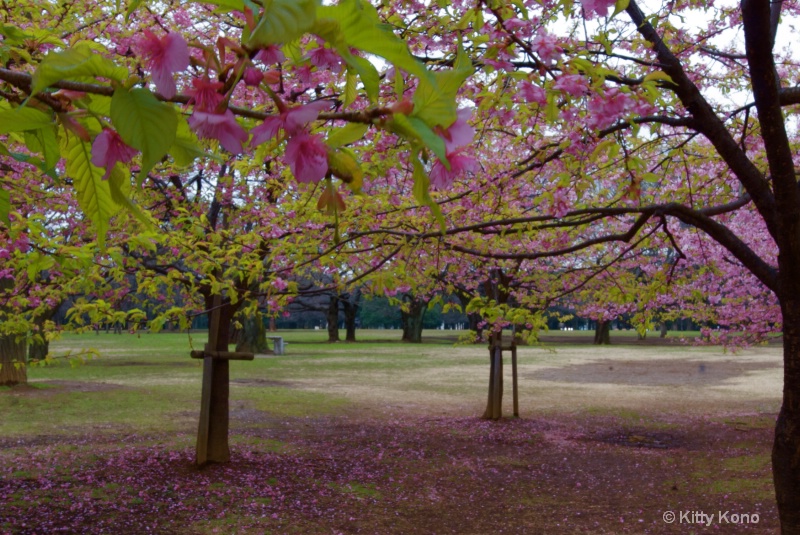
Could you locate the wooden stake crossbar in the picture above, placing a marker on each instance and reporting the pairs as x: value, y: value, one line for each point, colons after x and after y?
x: 224, y: 355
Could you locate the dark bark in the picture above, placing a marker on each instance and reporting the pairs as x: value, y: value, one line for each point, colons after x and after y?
x: 216, y: 387
x: 412, y: 319
x: 350, y: 305
x: 494, y: 403
x: 39, y: 346
x: 602, y: 333
x: 13, y: 364
x: 663, y: 330
x: 786, y: 447
x: 253, y: 335
x: 13, y: 348
x: 473, y: 318
x: 332, y: 316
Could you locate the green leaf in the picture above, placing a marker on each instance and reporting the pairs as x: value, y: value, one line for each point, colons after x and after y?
x: 422, y: 194
x: 283, y: 21
x: 5, y: 207
x: 145, y: 124
x: 77, y: 62
x: 119, y: 182
x: 346, y: 135
x: 362, y: 28
x: 27, y: 158
x: 415, y: 130
x: 94, y: 193
x: 658, y: 75
x: 232, y: 5
x: 186, y: 148
x: 350, y: 90
x: 45, y: 142
x: 620, y: 6
x: 435, y: 102
x: 38, y: 262
x: 369, y: 75
x: 22, y: 119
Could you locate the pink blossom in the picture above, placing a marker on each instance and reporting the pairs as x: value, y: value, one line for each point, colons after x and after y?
x: 605, y: 110
x: 599, y: 7
x: 307, y: 156
x: 459, y: 133
x: 499, y: 64
x: 442, y: 178
x: 291, y: 120
x: 546, y: 47
x: 220, y: 126
x: 304, y: 74
x: 269, y: 55
x: 561, y: 205
x: 205, y: 94
x: 164, y: 56
x: 108, y: 149
x: 253, y: 76
x: 532, y: 93
x: 326, y: 58
x: 572, y: 84
x: 280, y: 284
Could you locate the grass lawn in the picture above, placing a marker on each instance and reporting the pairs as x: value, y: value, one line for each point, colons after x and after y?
x: 383, y: 437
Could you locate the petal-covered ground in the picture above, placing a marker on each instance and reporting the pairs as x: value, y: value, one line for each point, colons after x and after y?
x: 358, y: 473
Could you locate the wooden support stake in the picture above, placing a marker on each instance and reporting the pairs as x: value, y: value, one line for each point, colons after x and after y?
x: 208, y: 383
x: 514, y: 379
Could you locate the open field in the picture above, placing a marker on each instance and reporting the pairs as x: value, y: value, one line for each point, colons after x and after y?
x: 382, y: 437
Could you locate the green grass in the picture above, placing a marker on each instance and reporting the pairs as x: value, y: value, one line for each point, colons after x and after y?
x: 148, y: 382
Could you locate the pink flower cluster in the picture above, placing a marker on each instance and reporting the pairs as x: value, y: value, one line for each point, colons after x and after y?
x: 605, y: 110
x: 306, y: 153
x: 457, y: 136
x: 596, y: 7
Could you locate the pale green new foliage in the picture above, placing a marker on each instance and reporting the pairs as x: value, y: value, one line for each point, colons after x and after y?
x: 283, y: 21
x: 94, y: 193
x: 74, y: 64
x: 145, y: 124
x: 435, y: 102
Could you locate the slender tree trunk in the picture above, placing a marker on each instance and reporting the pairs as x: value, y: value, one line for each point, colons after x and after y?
x: 786, y: 448
x: 253, y: 335
x: 412, y: 321
x: 664, y: 330
x: 216, y: 376
x: 351, y: 304
x: 602, y: 333
x: 494, y: 403
x: 332, y: 316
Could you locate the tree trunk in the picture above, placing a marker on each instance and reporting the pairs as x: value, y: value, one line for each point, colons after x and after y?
x: 253, y: 335
x: 13, y: 347
x: 602, y: 333
x: 494, y: 404
x: 664, y: 330
x: 13, y: 365
x: 351, y: 304
x: 212, y: 442
x: 332, y: 316
x: 786, y: 448
x: 412, y: 320
x: 39, y: 346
